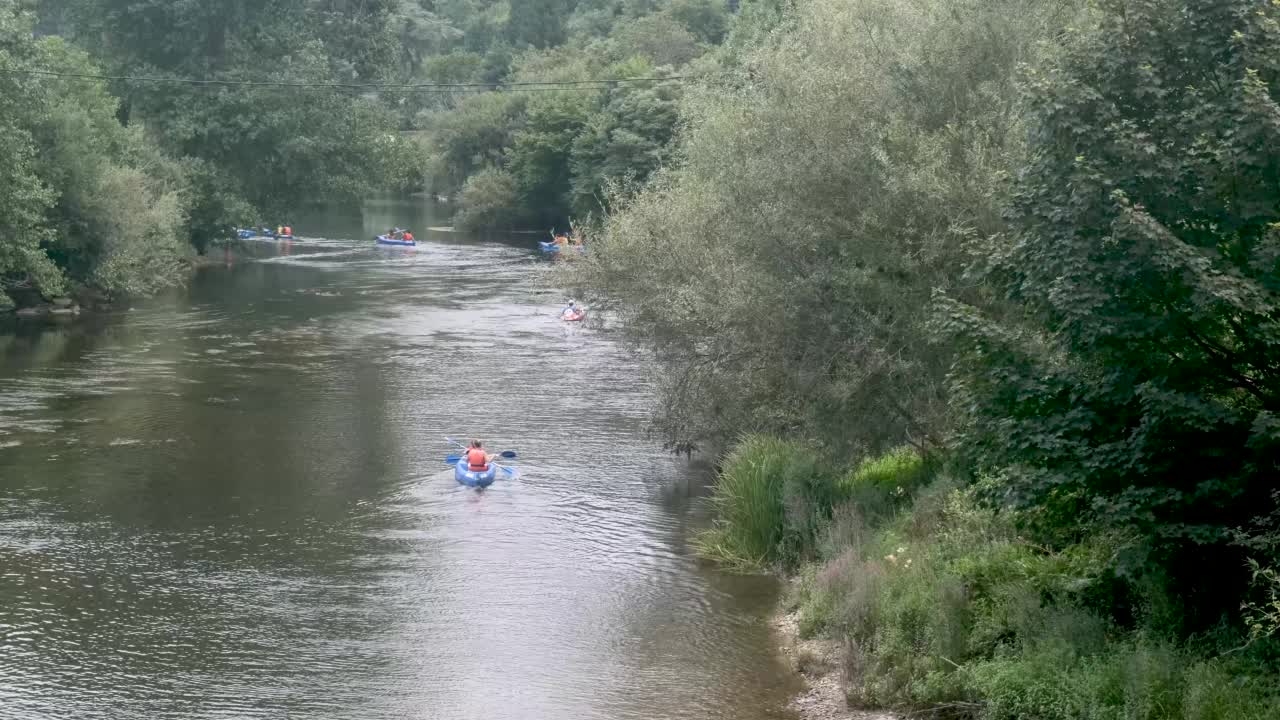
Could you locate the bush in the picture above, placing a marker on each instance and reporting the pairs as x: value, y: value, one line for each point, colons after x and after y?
x: 839, y: 596
x: 882, y: 485
x: 948, y: 606
x: 489, y: 200
x: 771, y: 500
x: 1133, y: 679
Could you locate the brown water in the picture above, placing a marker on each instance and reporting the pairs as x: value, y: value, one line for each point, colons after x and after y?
x: 231, y: 503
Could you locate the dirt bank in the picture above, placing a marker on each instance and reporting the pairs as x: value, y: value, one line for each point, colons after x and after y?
x: 820, y: 662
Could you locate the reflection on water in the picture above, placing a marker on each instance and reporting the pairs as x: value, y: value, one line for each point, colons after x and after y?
x: 231, y: 502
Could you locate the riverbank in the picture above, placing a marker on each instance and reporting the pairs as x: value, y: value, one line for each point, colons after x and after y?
x: 30, y: 304
x: 821, y: 662
x: 909, y: 591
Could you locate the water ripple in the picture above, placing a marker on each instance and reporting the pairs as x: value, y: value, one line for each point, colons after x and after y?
x: 231, y: 503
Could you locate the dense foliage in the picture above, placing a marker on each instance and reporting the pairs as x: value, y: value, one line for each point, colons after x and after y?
x: 82, y: 198
x: 561, y: 148
x: 260, y: 149
x: 110, y: 184
x: 1034, y: 242
x: 785, y: 268
x: 1141, y: 386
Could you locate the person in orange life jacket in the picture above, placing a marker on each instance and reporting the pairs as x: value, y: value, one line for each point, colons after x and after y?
x: 571, y: 310
x: 408, y: 236
x: 288, y: 230
x: 477, y: 459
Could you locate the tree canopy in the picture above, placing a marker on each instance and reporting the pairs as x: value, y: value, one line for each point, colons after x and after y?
x: 561, y: 149
x: 1034, y: 240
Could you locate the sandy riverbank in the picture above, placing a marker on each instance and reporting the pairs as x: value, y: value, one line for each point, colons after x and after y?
x: 820, y: 662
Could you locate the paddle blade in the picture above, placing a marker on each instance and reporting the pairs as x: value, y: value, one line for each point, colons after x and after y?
x: 452, y: 459
x: 509, y: 454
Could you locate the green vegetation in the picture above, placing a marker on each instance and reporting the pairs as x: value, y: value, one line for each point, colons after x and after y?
x: 82, y: 198
x: 278, y: 120
x: 112, y: 185
x: 949, y: 604
x: 535, y: 158
x: 765, y: 503
x: 1016, y: 265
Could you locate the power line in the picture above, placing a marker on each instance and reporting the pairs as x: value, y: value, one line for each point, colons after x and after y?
x: 544, y: 85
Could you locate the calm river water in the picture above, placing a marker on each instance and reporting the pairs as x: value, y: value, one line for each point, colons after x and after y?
x: 231, y: 503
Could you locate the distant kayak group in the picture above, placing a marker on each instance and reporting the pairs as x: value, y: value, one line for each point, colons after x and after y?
x: 282, y: 232
x: 396, y: 236
x: 561, y: 242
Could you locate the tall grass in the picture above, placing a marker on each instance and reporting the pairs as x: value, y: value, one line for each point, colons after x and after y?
x: 769, y: 501
x: 880, y: 486
x: 945, y: 607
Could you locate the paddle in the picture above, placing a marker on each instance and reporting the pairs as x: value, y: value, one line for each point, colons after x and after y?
x: 453, y: 459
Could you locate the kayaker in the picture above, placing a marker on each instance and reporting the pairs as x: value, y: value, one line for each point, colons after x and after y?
x: 408, y: 236
x: 571, y: 310
x: 288, y: 231
x: 477, y: 459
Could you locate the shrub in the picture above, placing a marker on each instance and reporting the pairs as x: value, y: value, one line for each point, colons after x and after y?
x: 489, y: 200
x: 771, y: 500
x: 840, y: 596
x: 1263, y: 616
x: 1134, y: 679
x: 882, y: 485
x: 947, y: 606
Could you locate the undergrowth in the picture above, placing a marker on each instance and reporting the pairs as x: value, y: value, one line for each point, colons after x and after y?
x: 946, y: 606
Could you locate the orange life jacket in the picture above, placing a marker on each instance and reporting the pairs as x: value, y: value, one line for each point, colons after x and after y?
x: 408, y: 237
x: 288, y: 230
x: 476, y: 461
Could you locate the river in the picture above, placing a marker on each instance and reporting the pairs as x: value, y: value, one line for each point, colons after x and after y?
x: 230, y: 502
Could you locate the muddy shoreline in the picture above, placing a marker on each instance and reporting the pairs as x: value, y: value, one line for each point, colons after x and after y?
x: 821, y: 663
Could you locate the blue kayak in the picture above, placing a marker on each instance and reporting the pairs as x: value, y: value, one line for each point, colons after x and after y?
x: 470, y: 478
x: 551, y: 248
x: 246, y: 234
x: 384, y: 240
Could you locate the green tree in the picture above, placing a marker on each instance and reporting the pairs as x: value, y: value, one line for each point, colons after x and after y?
x: 538, y: 23
x: 538, y: 158
x: 489, y: 200
x: 708, y: 20
x: 657, y: 38
x: 275, y: 147
x: 783, y: 270
x: 1140, y: 387
x: 82, y: 198
x: 475, y: 135
x: 624, y: 143
x: 561, y: 147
